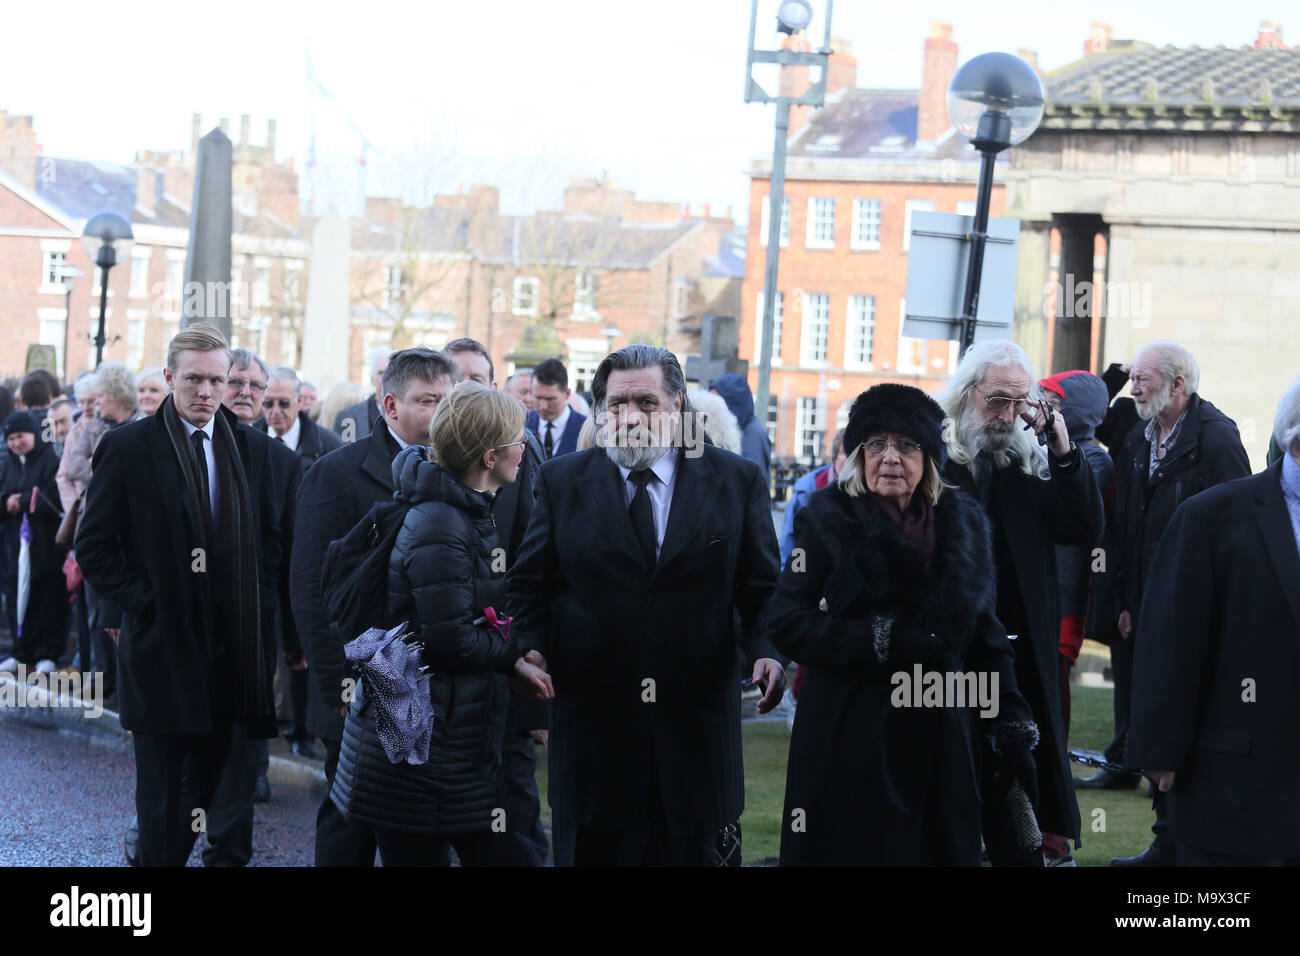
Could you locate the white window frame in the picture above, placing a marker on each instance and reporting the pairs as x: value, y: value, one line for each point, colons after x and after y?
x: 387, y: 296
x: 174, y: 280
x: 778, y: 327
x: 261, y: 287
x: 534, y: 285
x: 810, y: 421
x: 682, y: 298
x: 821, y: 213
x: 966, y: 207
x: 586, y: 286
x: 50, y: 248
x: 922, y: 205
x: 863, y: 217
x: 136, y: 326
x: 139, y: 284
x: 860, y: 314
x: 765, y: 221
x: 811, y: 320
x: 52, y: 329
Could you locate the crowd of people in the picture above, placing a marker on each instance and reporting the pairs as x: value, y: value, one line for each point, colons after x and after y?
x: 435, y: 577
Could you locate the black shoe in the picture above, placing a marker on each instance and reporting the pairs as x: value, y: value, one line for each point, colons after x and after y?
x: 1154, y: 855
x: 262, y: 791
x: 131, y: 842
x: 1108, y: 780
x: 303, y: 748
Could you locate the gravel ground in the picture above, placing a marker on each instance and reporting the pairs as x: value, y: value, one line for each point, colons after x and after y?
x: 66, y: 801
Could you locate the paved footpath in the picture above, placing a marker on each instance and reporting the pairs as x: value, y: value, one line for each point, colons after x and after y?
x: 66, y: 799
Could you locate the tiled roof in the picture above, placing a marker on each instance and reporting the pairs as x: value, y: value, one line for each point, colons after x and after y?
x: 81, y: 188
x: 587, y: 241
x: 1137, y: 81
x: 873, y: 124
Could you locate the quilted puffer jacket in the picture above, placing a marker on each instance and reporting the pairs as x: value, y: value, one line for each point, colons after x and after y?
x: 440, y: 578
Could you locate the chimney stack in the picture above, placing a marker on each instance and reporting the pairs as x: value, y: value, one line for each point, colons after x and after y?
x: 270, y: 138
x: 146, y: 187
x: 196, y: 128
x: 842, y: 68
x: 940, y: 64
x: 1270, y: 36
x: 1099, y: 37
x: 18, y: 149
x: 224, y: 125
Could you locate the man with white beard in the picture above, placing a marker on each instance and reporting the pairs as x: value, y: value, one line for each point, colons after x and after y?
x: 1036, y: 497
x: 1182, y: 446
x: 647, y: 562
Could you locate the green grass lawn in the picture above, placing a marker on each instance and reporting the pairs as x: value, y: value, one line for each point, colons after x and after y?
x: 1123, y: 828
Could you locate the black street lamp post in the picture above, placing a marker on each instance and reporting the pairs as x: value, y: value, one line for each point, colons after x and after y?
x: 996, y: 101
x: 107, y: 240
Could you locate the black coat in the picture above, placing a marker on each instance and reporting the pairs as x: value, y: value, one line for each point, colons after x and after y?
x: 1035, y: 515
x: 336, y: 493
x: 362, y: 417
x: 1222, y: 607
x: 441, y: 576
x: 20, y: 478
x: 1208, y: 452
x: 607, y: 625
x: 134, y: 547
x: 313, y: 440
x: 878, y: 784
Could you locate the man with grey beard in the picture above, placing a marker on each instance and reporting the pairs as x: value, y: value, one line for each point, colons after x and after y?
x: 1182, y: 446
x: 1036, y: 497
x: 647, y: 562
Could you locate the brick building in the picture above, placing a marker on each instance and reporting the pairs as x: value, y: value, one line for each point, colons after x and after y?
x: 45, y: 202
x: 605, y: 270
x: 856, y: 170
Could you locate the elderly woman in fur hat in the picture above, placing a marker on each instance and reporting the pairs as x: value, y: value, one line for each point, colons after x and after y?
x: 888, y: 600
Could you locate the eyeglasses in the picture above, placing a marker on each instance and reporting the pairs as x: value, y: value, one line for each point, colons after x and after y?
x: 511, y: 444
x: 253, y: 385
x: 877, y: 446
x: 284, y: 403
x: 1000, y: 403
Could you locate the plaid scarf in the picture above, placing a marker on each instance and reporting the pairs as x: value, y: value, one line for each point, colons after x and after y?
x: 228, y: 596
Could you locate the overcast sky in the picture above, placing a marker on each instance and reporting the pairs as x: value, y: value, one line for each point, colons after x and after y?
x: 520, y: 93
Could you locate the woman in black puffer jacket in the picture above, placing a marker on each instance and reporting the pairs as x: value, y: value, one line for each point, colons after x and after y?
x: 445, y: 569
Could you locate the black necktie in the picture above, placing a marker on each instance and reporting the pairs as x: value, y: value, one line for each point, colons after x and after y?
x: 280, y: 439
x: 205, y: 492
x: 643, y: 519
x: 549, y: 443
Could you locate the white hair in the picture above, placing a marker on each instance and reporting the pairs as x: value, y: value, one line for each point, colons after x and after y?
x: 378, y: 352
x: 1174, y: 360
x: 719, y: 424
x: 282, y: 373
x: 1286, y: 426
x: 86, y: 386
x: 956, y: 398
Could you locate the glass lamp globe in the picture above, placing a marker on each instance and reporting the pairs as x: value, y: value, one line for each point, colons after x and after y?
x: 111, y: 230
x: 794, y: 15
x: 1003, y: 86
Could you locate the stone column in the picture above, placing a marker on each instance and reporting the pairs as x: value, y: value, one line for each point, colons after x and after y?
x: 1077, y: 300
x: 1029, y: 329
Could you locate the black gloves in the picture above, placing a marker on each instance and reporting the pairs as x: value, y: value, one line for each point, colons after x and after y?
x: 1016, y: 763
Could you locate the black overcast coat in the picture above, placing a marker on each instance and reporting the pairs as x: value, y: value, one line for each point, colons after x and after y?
x: 336, y: 493
x: 1208, y: 452
x: 442, y: 573
x: 1222, y: 607
x: 1035, y: 516
x: 878, y: 784
x: 581, y: 594
x: 134, y: 547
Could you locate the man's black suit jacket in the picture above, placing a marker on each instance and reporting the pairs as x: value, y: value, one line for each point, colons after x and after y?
x: 1216, y: 667
x: 644, y: 660
x: 135, y: 549
x: 336, y: 493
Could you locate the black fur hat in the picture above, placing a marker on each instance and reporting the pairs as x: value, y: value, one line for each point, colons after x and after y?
x: 901, y: 409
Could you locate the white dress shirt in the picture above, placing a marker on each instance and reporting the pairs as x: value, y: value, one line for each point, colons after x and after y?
x: 290, y: 438
x: 401, y: 445
x: 660, y: 489
x: 557, y: 431
x: 214, y: 486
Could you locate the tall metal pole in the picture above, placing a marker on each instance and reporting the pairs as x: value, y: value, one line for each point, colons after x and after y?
x: 105, y: 263
x: 979, y: 236
x: 775, y: 200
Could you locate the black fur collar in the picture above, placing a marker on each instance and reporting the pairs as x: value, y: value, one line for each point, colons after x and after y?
x: 893, y: 577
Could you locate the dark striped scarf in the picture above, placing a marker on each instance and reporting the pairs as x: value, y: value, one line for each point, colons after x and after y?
x: 228, y: 595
